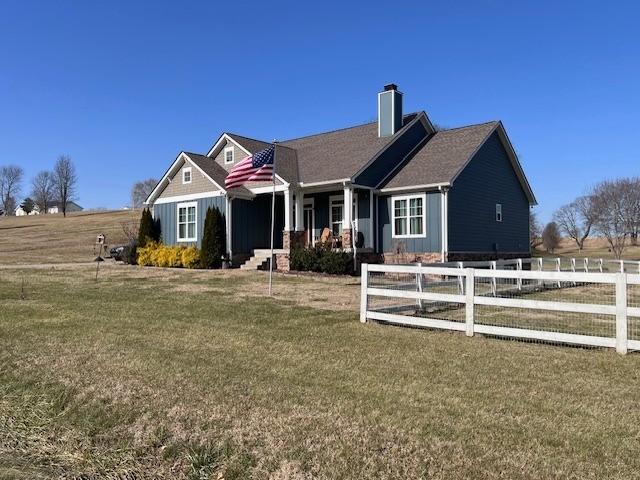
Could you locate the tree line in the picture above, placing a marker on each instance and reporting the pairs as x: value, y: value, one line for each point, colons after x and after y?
x: 47, y: 187
x: 610, y: 209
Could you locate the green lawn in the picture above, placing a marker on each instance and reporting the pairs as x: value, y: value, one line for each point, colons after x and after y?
x: 171, y: 375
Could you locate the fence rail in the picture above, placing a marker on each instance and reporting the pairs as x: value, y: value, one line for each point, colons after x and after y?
x: 559, y: 264
x: 582, y: 308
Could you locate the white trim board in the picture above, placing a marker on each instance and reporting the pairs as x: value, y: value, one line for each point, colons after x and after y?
x: 413, y: 188
x: 268, y: 189
x: 185, y: 198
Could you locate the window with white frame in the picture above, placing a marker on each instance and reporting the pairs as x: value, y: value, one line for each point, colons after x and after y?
x: 498, y: 212
x: 408, y: 219
x: 336, y: 204
x: 336, y: 213
x: 186, y: 175
x: 187, y: 214
x: 228, y: 155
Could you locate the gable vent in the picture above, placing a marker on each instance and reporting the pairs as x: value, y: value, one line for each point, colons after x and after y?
x: 389, y: 110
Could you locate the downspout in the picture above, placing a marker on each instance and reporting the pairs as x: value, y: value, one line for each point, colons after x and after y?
x: 228, y: 214
x: 444, y: 222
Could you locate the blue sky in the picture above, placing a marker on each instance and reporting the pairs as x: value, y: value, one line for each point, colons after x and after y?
x: 122, y: 87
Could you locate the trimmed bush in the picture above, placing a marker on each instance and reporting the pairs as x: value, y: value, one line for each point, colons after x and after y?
x: 214, y: 239
x: 321, y: 259
x: 337, y: 263
x: 190, y: 257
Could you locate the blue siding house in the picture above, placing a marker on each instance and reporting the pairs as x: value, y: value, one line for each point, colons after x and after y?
x: 394, y: 190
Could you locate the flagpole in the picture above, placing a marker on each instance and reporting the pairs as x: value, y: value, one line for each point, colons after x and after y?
x: 273, y: 214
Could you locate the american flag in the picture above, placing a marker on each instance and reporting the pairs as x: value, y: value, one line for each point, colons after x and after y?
x: 254, y: 168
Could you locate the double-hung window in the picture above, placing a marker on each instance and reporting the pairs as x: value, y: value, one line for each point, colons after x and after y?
x: 409, y: 219
x: 187, y: 214
x: 336, y: 213
x: 336, y: 205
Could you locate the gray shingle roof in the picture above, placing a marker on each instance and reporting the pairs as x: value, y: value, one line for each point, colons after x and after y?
x: 215, y: 171
x: 250, y: 144
x: 341, y: 153
x: 441, y: 157
x: 286, y: 159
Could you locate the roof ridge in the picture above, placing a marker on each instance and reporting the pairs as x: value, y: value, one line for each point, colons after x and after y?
x: 469, y: 126
x: 194, y: 153
x: 342, y: 129
x: 248, y: 138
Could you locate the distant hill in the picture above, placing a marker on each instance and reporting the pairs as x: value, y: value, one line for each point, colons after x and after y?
x: 55, y: 239
x: 595, y: 247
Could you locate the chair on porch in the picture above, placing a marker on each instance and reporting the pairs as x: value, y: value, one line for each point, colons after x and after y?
x: 327, y: 237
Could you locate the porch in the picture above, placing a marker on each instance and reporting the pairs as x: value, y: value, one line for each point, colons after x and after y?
x: 303, y: 217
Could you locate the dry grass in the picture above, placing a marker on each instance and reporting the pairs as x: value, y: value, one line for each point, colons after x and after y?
x: 594, y: 248
x: 55, y: 239
x: 156, y: 374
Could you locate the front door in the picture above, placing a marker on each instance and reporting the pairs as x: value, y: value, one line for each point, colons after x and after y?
x: 308, y: 224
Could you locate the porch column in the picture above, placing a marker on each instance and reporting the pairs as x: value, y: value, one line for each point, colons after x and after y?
x: 288, y: 210
x: 299, y: 211
x: 288, y: 219
x: 347, y: 216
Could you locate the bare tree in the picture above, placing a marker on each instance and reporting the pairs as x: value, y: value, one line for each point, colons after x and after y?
x: 551, y: 237
x: 43, y: 190
x: 576, y: 219
x: 142, y: 190
x: 535, y: 231
x: 64, y: 173
x: 10, y: 183
x: 609, y: 203
x: 631, y: 190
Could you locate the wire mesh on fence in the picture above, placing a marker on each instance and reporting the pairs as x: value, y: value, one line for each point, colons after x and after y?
x: 415, y: 282
x: 569, y: 307
x: 633, y: 301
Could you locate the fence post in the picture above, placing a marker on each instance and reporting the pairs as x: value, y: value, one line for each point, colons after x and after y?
x: 540, y: 282
x: 470, y: 294
x: 573, y: 268
x: 621, y: 266
x: 600, y: 264
x: 460, y: 281
x: 621, y: 313
x: 364, y: 281
x: 419, y: 284
x: 494, y: 286
x: 519, y: 269
x: 586, y: 265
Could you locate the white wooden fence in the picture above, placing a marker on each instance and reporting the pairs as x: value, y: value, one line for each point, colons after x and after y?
x: 497, y: 288
x: 558, y: 264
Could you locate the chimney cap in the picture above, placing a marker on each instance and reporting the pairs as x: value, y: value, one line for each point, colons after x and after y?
x: 390, y: 86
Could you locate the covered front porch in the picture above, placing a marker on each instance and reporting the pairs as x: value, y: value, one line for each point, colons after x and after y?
x: 322, y: 216
x: 303, y: 217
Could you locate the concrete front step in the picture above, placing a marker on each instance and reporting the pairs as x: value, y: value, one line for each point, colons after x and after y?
x: 260, y: 259
x: 256, y: 262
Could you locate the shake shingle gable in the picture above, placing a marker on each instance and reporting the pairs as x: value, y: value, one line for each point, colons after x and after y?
x: 215, y: 171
